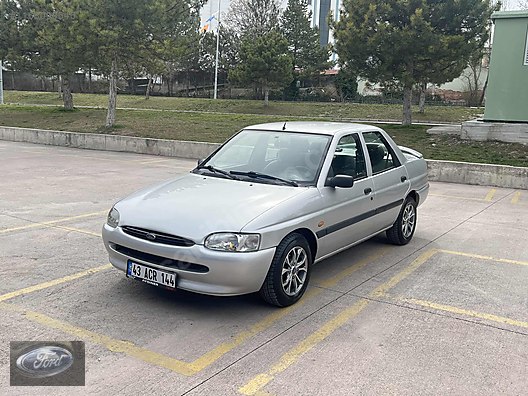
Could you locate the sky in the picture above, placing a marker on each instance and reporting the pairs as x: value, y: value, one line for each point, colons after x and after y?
x: 211, y: 8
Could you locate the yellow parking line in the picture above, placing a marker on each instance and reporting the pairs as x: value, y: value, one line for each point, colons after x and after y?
x: 255, y: 385
x: 54, y: 282
x: 290, y: 357
x: 113, y: 345
x: 466, y: 312
x: 381, y: 290
x: 78, y: 230
x: 490, y: 195
x: 154, y: 161
x: 164, y: 361
x: 457, y: 197
x: 48, y: 223
x: 210, y: 357
x: 516, y: 198
x: 480, y: 257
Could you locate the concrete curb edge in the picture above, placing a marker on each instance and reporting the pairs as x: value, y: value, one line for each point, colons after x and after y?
x: 443, y: 171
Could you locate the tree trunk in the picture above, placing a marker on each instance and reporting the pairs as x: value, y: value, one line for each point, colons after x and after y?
x: 481, y: 99
x: 266, y: 96
x: 59, y: 86
x: 67, y: 97
x: 149, y: 87
x: 407, y: 98
x: 423, y: 88
x: 112, y: 96
x: 90, y: 80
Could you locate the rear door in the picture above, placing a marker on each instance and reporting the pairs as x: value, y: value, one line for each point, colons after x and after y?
x: 390, y: 180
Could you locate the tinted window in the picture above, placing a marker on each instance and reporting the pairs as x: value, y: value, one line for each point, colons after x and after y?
x: 380, y: 153
x: 348, y: 158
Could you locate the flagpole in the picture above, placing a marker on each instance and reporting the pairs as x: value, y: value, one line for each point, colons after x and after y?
x: 217, y: 51
x: 1, y: 84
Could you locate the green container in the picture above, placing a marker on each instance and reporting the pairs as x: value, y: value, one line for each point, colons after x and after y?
x: 507, y: 91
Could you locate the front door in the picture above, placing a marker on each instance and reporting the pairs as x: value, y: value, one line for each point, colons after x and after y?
x: 346, y: 217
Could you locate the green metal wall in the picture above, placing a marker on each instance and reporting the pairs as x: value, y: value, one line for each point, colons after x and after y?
x: 507, y: 91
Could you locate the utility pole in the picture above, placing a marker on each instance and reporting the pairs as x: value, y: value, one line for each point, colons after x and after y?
x: 1, y: 84
x: 217, y: 51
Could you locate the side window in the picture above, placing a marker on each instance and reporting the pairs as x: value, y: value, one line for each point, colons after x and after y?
x: 348, y: 158
x: 380, y: 153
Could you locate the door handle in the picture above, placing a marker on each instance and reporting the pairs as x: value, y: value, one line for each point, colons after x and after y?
x: 367, y: 190
x: 403, y: 178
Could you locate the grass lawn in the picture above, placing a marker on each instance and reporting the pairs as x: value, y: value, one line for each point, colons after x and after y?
x: 299, y: 109
x: 209, y: 127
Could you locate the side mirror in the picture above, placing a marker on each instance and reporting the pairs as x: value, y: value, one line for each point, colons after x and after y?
x: 341, y: 181
x: 200, y: 160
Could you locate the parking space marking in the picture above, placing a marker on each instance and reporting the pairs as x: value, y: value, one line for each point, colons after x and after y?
x: 466, y: 312
x: 120, y: 346
x: 490, y: 195
x: 36, y: 224
x: 516, y: 197
x: 457, y: 197
x: 55, y: 282
x: 255, y: 385
x: 143, y: 162
x: 95, y: 234
x: 480, y: 257
x: 209, y: 357
x: 212, y: 356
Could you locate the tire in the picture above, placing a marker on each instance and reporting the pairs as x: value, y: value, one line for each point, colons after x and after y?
x: 402, y: 230
x: 289, y: 273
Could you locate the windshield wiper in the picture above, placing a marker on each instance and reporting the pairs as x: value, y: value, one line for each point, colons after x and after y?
x: 258, y: 175
x: 216, y: 170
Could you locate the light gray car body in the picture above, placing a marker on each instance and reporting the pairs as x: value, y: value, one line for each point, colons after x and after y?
x: 194, y: 206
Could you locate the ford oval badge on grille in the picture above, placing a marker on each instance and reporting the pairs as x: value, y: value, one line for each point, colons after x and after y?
x: 150, y: 236
x: 45, y: 361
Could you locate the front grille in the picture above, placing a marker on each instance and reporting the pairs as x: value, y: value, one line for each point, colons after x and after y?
x: 163, y: 261
x: 157, y: 237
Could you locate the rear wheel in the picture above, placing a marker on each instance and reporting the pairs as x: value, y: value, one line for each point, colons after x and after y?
x: 402, y: 230
x: 289, y: 272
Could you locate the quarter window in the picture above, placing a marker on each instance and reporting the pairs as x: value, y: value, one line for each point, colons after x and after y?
x: 380, y: 153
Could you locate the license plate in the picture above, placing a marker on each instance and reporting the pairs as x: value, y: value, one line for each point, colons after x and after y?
x: 149, y: 275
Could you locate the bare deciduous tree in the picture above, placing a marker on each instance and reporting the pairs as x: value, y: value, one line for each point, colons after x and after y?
x: 253, y: 18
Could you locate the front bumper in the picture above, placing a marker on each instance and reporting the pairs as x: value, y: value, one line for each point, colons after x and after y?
x: 228, y: 274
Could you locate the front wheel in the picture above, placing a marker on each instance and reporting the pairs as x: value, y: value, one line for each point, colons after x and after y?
x: 402, y: 230
x: 289, y: 272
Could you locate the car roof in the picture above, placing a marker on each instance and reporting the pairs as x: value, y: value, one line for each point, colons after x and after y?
x: 317, y: 127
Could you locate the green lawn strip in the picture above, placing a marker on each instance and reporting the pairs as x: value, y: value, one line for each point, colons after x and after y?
x: 301, y: 109
x: 206, y: 127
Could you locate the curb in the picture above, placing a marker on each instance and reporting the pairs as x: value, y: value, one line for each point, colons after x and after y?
x: 442, y: 171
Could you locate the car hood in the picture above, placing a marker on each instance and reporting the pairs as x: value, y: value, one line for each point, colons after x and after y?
x: 194, y: 206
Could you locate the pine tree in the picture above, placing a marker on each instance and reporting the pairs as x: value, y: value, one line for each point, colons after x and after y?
x: 264, y: 63
x: 406, y: 42
x: 303, y: 40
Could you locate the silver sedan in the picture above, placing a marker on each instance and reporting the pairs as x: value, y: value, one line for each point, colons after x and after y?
x: 262, y: 209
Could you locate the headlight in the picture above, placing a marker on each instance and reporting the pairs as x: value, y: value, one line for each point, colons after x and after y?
x: 231, y: 242
x: 113, y: 218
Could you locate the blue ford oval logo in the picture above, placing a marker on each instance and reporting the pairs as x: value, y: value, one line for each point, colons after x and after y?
x: 150, y: 236
x: 45, y: 361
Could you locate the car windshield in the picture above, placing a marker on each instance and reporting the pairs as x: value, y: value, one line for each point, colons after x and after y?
x: 270, y: 157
